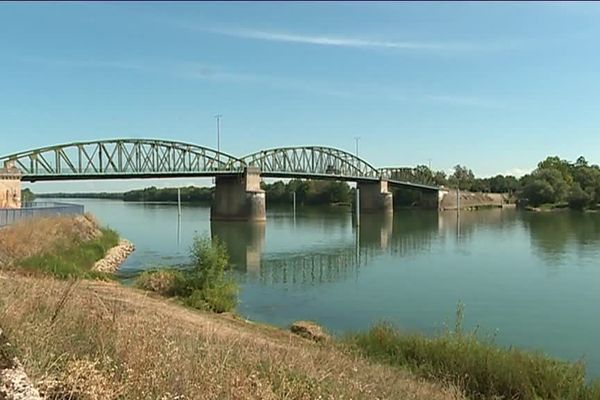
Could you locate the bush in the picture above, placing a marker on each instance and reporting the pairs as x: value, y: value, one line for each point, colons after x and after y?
x: 480, y: 368
x: 206, y: 286
x: 166, y: 282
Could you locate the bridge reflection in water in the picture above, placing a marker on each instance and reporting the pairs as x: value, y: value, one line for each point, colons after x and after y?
x: 404, y: 234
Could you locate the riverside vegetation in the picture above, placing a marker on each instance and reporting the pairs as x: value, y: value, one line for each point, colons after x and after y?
x: 90, y: 339
x: 206, y: 285
x: 555, y: 183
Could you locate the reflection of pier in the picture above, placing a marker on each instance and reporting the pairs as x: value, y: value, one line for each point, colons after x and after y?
x: 245, y: 242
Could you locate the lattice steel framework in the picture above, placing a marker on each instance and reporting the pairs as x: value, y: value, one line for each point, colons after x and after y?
x: 407, y: 174
x: 122, y: 158
x: 311, y: 162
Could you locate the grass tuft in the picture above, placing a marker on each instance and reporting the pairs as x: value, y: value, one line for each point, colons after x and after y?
x: 480, y: 368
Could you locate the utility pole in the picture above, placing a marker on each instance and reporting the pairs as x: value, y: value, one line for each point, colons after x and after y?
x: 218, y: 118
x: 356, y: 139
x: 429, y: 160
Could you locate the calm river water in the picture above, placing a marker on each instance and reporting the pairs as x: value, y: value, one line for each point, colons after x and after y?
x: 531, y: 279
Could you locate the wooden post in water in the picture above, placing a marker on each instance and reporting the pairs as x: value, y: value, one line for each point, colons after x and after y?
x: 294, y: 200
x: 179, y: 202
x: 357, y: 205
x: 457, y: 199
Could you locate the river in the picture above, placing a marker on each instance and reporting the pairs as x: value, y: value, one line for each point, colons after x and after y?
x: 530, y: 279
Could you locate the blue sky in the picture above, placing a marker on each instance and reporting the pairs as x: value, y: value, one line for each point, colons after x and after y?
x: 496, y: 87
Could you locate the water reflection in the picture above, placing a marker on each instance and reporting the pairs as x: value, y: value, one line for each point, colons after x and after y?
x: 245, y: 242
x: 555, y: 235
x: 375, y: 231
x: 414, y: 232
x: 404, y: 234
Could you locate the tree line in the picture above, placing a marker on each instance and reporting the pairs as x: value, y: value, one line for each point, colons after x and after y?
x: 555, y: 181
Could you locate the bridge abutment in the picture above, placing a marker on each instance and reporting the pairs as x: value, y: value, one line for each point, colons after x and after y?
x: 10, y: 186
x: 239, y: 198
x: 375, y: 197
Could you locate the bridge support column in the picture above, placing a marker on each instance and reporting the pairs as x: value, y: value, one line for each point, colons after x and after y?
x: 239, y: 198
x: 375, y: 197
x: 432, y: 199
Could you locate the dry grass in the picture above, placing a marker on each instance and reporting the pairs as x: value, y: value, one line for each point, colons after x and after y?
x: 98, y: 340
x: 40, y: 235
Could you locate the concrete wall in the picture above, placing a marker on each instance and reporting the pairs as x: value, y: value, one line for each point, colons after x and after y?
x: 10, y: 187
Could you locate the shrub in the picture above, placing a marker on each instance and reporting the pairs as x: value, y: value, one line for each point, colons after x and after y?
x: 207, y: 285
x: 166, y: 281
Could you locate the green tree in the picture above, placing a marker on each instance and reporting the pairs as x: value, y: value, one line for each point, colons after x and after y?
x: 579, y: 198
x: 462, y: 177
x: 563, y: 166
x: 539, y: 192
x: 555, y: 179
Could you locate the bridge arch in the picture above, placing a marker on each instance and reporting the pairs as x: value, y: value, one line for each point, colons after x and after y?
x: 122, y: 158
x: 311, y: 162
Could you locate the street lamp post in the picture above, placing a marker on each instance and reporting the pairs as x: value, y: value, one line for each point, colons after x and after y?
x: 218, y: 118
x: 356, y: 139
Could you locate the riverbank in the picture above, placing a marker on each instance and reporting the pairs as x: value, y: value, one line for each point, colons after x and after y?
x: 92, y: 338
x: 74, y: 331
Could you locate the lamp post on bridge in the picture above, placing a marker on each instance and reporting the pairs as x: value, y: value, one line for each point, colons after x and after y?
x: 218, y: 118
x: 356, y: 139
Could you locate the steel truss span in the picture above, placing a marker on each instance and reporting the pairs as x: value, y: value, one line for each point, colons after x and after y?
x: 407, y: 174
x: 155, y: 158
x: 311, y: 162
x: 122, y: 158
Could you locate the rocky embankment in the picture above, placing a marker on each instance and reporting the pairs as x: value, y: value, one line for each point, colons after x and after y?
x: 115, y: 257
x: 14, y: 383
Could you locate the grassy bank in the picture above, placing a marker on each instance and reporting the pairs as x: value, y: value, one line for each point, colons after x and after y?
x: 100, y: 340
x: 75, y: 259
x: 62, y: 246
x: 480, y: 368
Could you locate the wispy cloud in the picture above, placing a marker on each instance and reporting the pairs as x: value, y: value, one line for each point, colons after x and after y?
x: 200, y: 71
x: 336, y: 41
x: 463, y: 101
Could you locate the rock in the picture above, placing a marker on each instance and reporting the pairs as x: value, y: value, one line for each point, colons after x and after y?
x: 310, y: 330
x: 14, y: 383
x: 115, y: 257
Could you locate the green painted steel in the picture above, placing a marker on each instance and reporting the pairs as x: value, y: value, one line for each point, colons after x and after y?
x: 414, y: 176
x: 121, y: 159
x: 155, y: 158
x: 309, y: 161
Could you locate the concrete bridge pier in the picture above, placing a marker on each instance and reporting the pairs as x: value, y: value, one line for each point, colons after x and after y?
x: 375, y: 197
x: 239, y: 198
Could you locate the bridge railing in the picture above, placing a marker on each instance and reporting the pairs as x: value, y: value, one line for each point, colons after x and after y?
x: 37, y: 209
